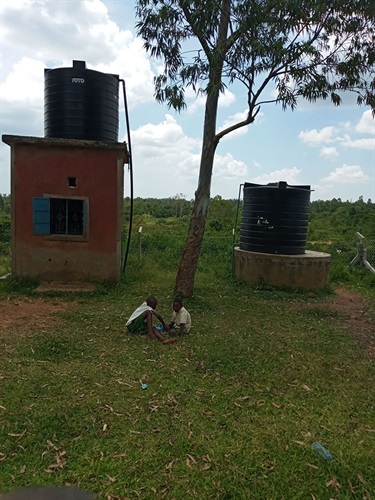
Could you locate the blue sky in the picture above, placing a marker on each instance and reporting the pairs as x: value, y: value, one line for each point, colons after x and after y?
x: 331, y: 149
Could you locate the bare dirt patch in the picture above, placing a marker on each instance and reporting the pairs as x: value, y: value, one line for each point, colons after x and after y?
x: 28, y: 315
x: 356, y: 317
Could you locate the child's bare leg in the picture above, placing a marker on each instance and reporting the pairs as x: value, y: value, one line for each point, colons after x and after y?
x: 152, y: 332
x: 152, y: 335
x: 157, y: 334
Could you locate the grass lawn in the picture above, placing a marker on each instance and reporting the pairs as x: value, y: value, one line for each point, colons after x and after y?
x: 231, y: 410
x: 4, y: 265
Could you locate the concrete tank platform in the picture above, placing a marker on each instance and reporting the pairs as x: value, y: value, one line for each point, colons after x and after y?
x: 308, y: 270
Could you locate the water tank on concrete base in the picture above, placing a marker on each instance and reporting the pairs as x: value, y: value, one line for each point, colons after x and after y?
x: 275, y: 218
x: 80, y: 103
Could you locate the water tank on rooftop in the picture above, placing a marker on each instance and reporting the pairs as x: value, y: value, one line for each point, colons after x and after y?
x: 80, y: 103
x: 275, y: 218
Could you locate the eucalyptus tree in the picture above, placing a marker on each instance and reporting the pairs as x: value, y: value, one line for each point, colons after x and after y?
x: 281, y: 51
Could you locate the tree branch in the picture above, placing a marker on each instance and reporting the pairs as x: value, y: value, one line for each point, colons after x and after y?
x: 250, y: 119
x: 196, y: 32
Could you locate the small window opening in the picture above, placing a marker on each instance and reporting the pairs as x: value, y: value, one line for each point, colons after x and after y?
x: 67, y: 216
x: 72, y: 182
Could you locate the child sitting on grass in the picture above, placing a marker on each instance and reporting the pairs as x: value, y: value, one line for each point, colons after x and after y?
x: 181, y: 319
x: 141, y: 320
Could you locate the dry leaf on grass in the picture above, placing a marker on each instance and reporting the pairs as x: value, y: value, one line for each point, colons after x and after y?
x: 170, y: 465
x: 52, y: 446
x: 352, y: 490
x: 361, y: 478
x: 312, y: 466
x: 301, y: 443
x: 190, y: 460
x: 333, y: 483
x: 12, y: 434
x: 60, y: 459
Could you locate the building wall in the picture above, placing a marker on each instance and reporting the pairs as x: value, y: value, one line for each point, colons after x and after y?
x: 41, y: 169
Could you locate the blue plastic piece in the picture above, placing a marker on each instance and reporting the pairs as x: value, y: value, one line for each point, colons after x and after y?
x: 144, y: 386
x: 318, y: 447
x: 160, y: 328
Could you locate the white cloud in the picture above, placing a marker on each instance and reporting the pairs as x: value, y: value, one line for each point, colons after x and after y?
x: 226, y: 167
x: 195, y: 102
x: 316, y: 137
x: 346, y: 174
x: 346, y: 126
x: 226, y: 99
x: 25, y: 84
x: 289, y: 175
x: 368, y: 143
x: 164, y: 156
x: 59, y: 34
x: 166, y: 137
x: 329, y: 135
x: 329, y: 153
x: 164, y: 151
x: 366, y: 124
x: 149, y: 130
x: 187, y: 167
x: 96, y: 6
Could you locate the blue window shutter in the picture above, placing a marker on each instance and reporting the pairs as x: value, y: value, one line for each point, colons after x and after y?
x: 41, y: 216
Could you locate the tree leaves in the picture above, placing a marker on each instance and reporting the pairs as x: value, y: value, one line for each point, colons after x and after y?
x: 322, y: 47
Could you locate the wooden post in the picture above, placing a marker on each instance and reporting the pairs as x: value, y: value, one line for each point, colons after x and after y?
x: 361, y: 257
x: 139, y: 242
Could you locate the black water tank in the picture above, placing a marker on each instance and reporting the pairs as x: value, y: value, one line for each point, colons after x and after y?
x: 275, y: 218
x: 80, y: 103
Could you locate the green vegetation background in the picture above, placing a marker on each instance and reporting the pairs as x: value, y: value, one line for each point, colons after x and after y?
x: 332, y: 227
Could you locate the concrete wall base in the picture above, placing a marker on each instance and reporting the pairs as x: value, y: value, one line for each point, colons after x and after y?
x: 308, y: 270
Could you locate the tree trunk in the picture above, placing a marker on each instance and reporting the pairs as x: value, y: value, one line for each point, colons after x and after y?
x: 189, y: 261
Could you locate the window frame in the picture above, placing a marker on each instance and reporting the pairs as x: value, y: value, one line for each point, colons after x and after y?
x: 64, y: 237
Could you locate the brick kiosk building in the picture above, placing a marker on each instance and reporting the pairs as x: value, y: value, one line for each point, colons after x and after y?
x: 67, y: 208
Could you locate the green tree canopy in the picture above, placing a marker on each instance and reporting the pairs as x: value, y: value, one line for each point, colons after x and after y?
x: 302, y: 49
